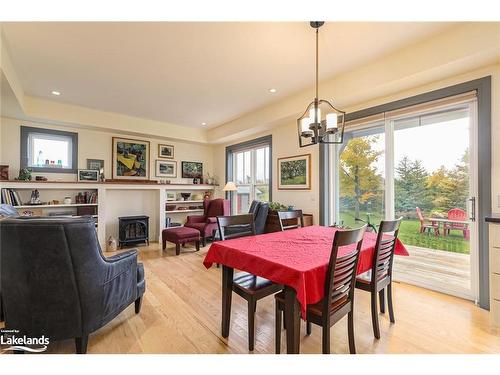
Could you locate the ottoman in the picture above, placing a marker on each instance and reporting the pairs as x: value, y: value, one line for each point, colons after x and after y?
x: 180, y: 236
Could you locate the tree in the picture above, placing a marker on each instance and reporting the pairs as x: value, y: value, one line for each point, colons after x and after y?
x: 359, y: 179
x: 411, y: 186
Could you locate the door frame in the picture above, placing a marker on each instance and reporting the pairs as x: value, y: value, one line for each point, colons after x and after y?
x: 482, y: 86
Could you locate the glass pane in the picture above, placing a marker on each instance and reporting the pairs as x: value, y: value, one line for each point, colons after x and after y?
x: 361, y: 178
x: 262, y: 165
x: 431, y: 180
x: 50, y: 152
x: 262, y: 193
x: 243, y: 199
x: 243, y: 171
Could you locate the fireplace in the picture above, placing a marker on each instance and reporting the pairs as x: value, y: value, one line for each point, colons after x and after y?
x: 133, y: 230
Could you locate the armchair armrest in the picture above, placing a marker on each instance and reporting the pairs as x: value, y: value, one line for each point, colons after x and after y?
x: 119, y: 264
x: 196, y: 219
x: 212, y: 220
x: 122, y: 255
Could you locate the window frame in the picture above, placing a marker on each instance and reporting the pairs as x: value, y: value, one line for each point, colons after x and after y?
x: 253, y: 144
x: 25, y: 134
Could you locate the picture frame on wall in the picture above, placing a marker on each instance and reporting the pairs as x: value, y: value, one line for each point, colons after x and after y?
x: 166, y: 168
x: 165, y: 151
x: 192, y: 169
x: 95, y: 164
x: 294, y: 172
x: 88, y: 175
x: 130, y: 159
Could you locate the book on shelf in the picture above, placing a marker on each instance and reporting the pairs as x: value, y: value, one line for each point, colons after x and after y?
x: 10, y: 196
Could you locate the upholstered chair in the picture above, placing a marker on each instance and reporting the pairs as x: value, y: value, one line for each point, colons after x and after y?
x: 6, y: 210
x: 207, y: 223
x: 57, y: 283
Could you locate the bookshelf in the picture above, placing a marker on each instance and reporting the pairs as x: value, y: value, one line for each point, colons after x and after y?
x: 57, y: 190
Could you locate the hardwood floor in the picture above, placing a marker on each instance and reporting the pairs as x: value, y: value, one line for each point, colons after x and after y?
x: 181, y: 314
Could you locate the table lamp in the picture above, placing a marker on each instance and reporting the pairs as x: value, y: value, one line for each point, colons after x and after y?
x: 230, y: 187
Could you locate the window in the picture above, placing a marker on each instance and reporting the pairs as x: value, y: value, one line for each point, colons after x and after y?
x: 45, y: 150
x: 249, y: 166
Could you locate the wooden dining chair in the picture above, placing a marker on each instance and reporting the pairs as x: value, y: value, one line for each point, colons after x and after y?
x: 290, y: 215
x: 249, y: 287
x: 381, y: 272
x: 338, y: 299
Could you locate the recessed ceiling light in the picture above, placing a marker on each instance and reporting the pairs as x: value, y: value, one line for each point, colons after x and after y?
x: 272, y: 91
x: 203, y: 123
x: 56, y: 93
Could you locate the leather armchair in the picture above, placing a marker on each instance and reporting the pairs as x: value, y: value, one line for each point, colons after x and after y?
x: 57, y: 283
x: 6, y: 210
x: 207, y: 222
x: 259, y: 211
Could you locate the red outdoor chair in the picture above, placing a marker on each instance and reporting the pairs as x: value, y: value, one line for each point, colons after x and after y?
x: 207, y: 222
x: 426, y: 225
x: 457, y: 214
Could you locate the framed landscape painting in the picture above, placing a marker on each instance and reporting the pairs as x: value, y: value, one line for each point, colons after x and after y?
x: 166, y: 151
x: 166, y: 168
x: 192, y: 169
x: 294, y: 172
x: 130, y: 158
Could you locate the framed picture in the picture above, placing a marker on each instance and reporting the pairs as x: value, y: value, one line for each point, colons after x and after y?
x: 166, y: 151
x: 130, y: 159
x: 171, y: 196
x: 95, y: 164
x: 294, y: 172
x: 166, y: 168
x: 88, y: 175
x: 192, y: 169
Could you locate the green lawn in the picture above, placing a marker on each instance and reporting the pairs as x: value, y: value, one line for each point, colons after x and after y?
x: 409, y: 234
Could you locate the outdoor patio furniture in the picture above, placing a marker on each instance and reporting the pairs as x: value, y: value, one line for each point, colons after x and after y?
x: 456, y: 214
x: 426, y: 225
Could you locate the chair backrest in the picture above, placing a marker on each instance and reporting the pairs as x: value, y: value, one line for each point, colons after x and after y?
x: 52, y: 272
x: 217, y: 207
x: 457, y: 214
x: 420, y: 215
x: 242, y: 225
x: 384, y: 249
x: 254, y: 206
x: 289, y: 215
x: 340, y: 279
x: 260, y: 217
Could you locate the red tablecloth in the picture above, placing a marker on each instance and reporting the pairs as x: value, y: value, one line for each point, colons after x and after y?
x: 297, y: 258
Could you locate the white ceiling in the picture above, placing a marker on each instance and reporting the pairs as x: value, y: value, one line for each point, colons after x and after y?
x: 189, y: 73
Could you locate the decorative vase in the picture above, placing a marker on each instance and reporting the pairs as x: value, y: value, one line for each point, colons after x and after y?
x: 111, y: 244
x: 67, y: 200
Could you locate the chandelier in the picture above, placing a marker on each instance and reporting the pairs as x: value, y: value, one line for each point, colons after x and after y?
x: 321, y: 121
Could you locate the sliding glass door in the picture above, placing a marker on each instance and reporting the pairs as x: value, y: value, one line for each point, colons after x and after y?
x: 419, y: 165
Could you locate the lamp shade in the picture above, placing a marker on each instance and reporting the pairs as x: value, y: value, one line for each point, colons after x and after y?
x: 230, y: 186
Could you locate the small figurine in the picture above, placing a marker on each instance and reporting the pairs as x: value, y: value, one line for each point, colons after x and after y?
x: 35, y: 197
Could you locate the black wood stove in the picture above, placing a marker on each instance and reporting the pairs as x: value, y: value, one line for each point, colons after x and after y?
x: 133, y: 230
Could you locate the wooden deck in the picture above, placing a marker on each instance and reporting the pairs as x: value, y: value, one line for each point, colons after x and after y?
x: 438, y: 270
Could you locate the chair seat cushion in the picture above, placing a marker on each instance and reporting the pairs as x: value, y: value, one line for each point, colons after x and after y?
x: 317, y: 308
x: 252, y: 283
x: 181, y: 234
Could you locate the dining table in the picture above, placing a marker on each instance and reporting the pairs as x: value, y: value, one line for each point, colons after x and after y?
x: 297, y: 259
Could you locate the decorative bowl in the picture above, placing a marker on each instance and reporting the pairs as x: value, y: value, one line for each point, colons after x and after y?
x: 185, y: 196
